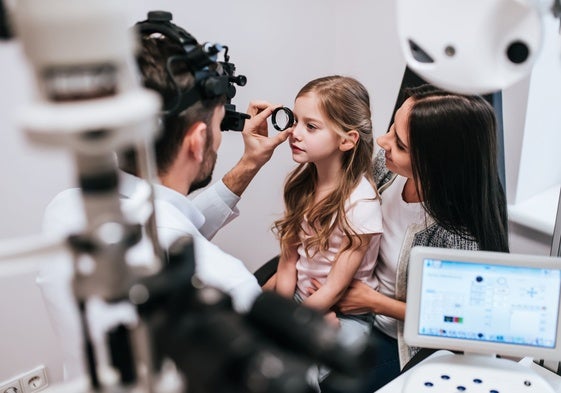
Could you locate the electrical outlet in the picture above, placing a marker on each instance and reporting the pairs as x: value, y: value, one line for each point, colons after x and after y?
x: 34, y: 380
x: 12, y: 386
x: 29, y: 382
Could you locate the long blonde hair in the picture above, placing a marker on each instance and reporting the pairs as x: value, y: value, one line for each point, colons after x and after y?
x: 346, y: 104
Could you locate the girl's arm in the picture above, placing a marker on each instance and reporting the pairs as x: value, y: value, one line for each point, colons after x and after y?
x: 271, y: 283
x: 360, y: 298
x: 340, y: 276
x: 286, y: 275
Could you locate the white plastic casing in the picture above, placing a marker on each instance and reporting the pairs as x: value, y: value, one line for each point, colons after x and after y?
x: 479, y: 31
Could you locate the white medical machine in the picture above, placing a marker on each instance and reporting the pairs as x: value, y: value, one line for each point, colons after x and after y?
x: 473, y: 47
x: 485, y: 305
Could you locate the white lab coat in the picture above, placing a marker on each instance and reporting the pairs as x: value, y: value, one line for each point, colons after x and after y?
x: 176, y: 216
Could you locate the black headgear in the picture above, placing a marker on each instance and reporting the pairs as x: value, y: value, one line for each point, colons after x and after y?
x: 210, y: 82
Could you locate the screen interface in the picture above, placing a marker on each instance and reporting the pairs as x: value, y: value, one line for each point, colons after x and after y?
x: 489, y: 302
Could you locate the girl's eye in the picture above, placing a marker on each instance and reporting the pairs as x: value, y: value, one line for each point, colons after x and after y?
x: 311, y: 126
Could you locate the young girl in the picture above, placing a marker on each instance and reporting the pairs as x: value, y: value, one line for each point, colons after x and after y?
x: 333, y: 223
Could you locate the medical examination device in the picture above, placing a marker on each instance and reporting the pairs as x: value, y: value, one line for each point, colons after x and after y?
x: 485, y: 305
x: 282, y: 118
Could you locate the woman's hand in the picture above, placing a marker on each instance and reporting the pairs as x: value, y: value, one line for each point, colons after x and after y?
x: 360, y: 299
x: 356, y: 300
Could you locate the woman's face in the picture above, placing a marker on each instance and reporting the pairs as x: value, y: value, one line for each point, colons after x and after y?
x: 396, y: 142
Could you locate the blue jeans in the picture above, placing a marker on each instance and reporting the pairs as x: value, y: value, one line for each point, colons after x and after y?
x: 384, y: 367
x: 353, y: 330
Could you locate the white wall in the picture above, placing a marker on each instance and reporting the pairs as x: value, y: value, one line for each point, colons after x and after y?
x: 357, y: 38
x: 532, y: 131
x: 26, y: 338
x: 279, y: 46
x: 539, y: 166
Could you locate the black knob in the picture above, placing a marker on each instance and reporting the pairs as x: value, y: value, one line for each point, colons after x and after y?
x: 240, y: 80
x: 518, y: 52
x: 159, y: 16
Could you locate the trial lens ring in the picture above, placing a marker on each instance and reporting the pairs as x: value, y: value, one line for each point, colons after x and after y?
x: 282, y: 118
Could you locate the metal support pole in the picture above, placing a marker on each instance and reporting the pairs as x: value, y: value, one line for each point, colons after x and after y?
x: 556, y: 242
x: 551, y: 365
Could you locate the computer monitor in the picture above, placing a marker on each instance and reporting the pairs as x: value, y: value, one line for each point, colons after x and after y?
x: 484, y: 302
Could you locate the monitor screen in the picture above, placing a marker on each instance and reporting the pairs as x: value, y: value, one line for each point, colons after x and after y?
x: 484, y: 302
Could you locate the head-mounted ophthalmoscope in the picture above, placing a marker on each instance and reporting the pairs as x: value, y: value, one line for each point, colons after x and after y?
x: 213, y: 78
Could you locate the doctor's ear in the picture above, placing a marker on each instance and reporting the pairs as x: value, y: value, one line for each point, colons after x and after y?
x: 194, y: 141
x: 349, y: 141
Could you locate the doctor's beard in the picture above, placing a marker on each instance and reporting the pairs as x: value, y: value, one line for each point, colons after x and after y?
x: 205, y: 174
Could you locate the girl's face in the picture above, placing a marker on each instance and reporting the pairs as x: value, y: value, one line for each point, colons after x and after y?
x: 396, y: 142
x: 312, y: 138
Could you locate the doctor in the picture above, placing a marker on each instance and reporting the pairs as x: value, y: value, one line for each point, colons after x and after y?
x: 186, y: 152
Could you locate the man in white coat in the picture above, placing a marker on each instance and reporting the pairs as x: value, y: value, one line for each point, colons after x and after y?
x: 186, y: 153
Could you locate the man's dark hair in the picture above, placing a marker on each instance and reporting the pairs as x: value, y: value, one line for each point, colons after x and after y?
x: 169, y: 78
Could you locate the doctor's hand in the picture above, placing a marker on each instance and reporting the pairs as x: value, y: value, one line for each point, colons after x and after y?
x: 358, y: 299
x: 258, y: 145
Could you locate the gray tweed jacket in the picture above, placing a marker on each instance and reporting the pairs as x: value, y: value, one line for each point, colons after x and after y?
x: 429, y: 234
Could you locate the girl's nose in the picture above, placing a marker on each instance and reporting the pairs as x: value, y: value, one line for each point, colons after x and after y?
x: 295, y: 131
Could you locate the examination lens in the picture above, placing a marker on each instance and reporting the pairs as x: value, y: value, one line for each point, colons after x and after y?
x: 282, y: 118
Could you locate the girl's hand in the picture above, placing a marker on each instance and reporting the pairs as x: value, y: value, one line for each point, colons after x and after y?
x: 332, y: 319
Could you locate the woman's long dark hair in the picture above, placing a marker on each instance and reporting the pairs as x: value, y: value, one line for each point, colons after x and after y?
x: 452, y: 140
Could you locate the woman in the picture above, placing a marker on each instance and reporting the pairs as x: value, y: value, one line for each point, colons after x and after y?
x: 440, y: 187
